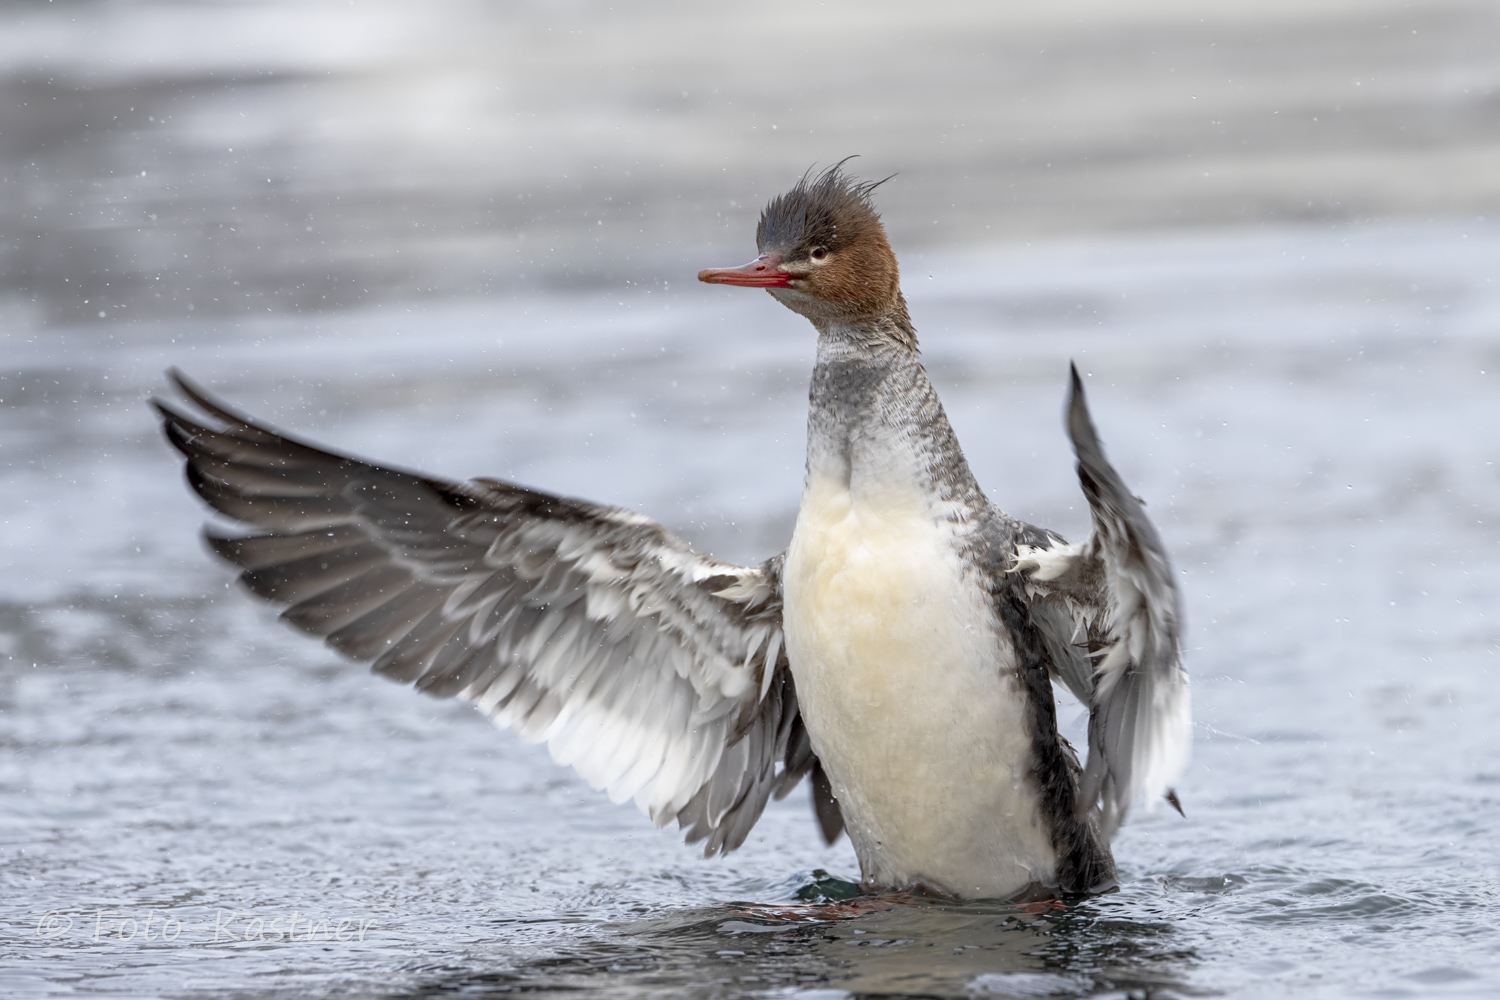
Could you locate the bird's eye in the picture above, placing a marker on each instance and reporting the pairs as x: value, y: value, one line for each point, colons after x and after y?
x: 819, y: 253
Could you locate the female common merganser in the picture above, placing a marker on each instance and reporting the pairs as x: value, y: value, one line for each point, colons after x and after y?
x: 901, y: 651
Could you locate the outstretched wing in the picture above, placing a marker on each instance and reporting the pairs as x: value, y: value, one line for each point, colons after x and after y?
x: 657, y: 673
x: 1110, y: 610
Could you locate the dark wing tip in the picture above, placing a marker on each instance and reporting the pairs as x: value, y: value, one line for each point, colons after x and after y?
x: 206, y: 401
x: 179, y: 423
x: 826, y: 806
x: 1080, y: 422
x: 1175, y: 803
x: 179, y: 428
x: 164, y: 410
x: 190, y: 421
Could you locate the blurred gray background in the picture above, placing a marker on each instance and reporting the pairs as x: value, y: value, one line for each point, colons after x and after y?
x: 165, y: 158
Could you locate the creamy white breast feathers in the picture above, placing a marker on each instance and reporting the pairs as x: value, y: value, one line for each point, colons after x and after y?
x: 908, y: 690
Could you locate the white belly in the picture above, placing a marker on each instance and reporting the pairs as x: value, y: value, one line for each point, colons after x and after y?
x: 907, y: 690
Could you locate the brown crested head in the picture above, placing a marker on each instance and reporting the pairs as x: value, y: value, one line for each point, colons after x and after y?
x: 823, y: 252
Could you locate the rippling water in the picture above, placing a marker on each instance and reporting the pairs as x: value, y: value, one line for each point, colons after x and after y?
x: 1310, y: 414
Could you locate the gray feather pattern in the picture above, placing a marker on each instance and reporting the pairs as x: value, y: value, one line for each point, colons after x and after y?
x: 656, y: 672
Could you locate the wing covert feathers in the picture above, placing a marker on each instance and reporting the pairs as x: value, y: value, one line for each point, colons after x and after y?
x: 657, y: 673
x: 1113, y: 601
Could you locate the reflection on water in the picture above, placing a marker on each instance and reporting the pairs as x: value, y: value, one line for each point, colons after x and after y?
x: 921, y: 948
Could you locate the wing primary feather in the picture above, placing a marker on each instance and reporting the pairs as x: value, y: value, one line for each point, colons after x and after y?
x: 260, y: 551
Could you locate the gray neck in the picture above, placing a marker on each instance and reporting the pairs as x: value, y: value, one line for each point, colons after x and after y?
x: 875, y: 418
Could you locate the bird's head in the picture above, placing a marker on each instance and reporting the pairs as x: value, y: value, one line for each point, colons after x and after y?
x: 823, y: 252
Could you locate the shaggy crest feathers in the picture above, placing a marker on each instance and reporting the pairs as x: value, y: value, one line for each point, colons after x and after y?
x: 810, y: 213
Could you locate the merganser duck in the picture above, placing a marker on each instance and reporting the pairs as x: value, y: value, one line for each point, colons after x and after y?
x: 900, y: 653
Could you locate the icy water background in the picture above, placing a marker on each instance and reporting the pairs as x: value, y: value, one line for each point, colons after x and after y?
x: 402, y: 235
